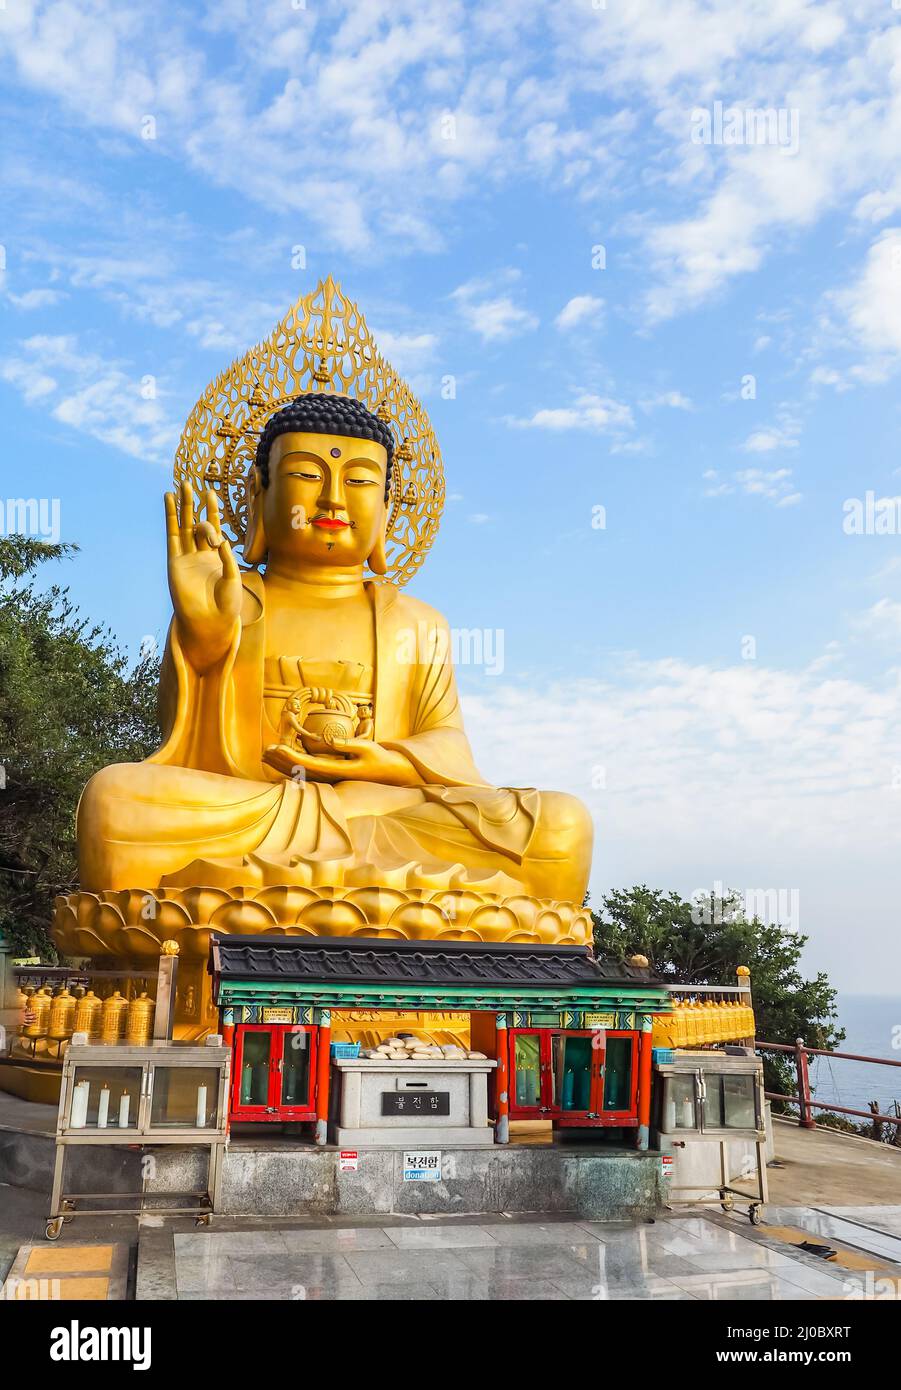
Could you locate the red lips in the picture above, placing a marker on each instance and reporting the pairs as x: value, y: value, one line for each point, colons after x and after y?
x: 330, y: 523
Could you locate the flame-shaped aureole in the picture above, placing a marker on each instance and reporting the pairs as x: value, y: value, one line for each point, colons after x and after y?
x: 323, y: 344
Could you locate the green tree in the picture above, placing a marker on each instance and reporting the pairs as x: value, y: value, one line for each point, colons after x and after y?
x: 703, y: 943
x: 69, y: 704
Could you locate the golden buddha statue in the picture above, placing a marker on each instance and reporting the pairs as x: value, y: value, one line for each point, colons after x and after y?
x: 315, y: 775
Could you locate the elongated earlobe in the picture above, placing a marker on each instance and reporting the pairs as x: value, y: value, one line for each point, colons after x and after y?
x: 255, y: 547
x: 378, y: 559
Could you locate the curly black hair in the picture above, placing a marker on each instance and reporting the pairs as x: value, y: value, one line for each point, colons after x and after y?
x: 321, y: 413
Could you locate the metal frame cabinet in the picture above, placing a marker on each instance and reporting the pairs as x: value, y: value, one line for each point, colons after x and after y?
x: 145, y: 1075
x: 690, y: 1116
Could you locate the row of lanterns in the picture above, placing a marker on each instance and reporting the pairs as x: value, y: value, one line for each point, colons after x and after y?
x: 56, y: 1017
x: 697, y: 1023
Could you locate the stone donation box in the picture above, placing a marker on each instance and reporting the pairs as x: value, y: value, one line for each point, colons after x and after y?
x: 387, y: 1103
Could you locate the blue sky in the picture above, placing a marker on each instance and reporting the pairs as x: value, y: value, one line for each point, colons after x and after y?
x: 455, y: 167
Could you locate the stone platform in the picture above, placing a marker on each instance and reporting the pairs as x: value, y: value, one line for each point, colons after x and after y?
x: 283, y: 1176
x: 363, y: 1125
x: 600, y: 1182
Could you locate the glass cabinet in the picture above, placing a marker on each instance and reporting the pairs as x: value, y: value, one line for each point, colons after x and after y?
x: 140, y: 1096
x: 574, y: 1077
x: 275, y: 1071
x: 710, y: 1094
x: 105, y: 1097
x: 161, y: 1089
x: 710, y: 1111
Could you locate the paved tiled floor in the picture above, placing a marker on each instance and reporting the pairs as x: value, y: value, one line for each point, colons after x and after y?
x: 677, y: 1257
x: 91, y: 1271
x: 877, y: 1229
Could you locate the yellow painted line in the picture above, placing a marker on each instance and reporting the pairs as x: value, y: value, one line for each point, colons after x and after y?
x: 69, y: 1259
x: 49, y: 1290
x: 844, y: 1258
x: 84, y: 1288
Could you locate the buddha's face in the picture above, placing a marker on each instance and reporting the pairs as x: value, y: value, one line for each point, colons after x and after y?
x: 326, y: 498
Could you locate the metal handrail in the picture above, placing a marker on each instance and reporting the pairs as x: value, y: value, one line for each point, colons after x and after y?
x: 839, y: 1109
x: 804, y: 1100
x: 825, y: 1052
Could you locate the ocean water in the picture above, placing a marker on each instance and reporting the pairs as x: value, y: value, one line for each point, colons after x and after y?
x: 872, y: 1023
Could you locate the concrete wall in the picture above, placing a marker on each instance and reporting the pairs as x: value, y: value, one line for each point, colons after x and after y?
x: 606, y: 1186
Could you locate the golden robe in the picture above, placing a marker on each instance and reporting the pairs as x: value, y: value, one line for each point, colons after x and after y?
x: 207, y: 811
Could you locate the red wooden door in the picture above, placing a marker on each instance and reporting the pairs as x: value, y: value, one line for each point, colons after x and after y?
x: 275, y: 1072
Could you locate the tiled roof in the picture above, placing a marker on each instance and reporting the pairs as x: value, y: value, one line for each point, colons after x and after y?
x: 351, y: 960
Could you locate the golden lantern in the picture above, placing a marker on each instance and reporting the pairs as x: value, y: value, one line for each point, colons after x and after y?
x: 114, y: 1019
x: 40, y: 1005
x: 28, y: 1011
x: 89, y: 1015
x: 62, y: 1015
x: 139, y: 1028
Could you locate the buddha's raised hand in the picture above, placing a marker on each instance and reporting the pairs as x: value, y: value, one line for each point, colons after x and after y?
x: 204, y: 579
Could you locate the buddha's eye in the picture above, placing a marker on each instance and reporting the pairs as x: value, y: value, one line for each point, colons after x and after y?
x: 308, y: 477
x: 360, y: 482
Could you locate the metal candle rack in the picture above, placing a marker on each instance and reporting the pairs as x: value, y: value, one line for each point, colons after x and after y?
x: 160, y: 1103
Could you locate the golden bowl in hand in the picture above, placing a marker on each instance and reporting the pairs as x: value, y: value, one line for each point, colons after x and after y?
x: 325, y: 730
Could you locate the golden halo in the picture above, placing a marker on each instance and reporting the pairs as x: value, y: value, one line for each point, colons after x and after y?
x: 323, y: 344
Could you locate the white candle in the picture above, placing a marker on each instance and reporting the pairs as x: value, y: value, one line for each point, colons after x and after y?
x: 201, y: 1107
x: 124, y: 1104
x: 79, y: 1114
x: 103, y: 1108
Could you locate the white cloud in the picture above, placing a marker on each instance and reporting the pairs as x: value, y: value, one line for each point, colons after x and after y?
x: 882, y: 622
x: 829, y: 376
x: 672, y: 400
x: 407, y: 352
x: 832, y: 73
x: 783, y: 435
x: 494, y: 316
x: 92, y: 395
x: 369, y: 121
x: 36, y: 299
x: 872, y: 305
x: 775, y: 486
x: 598, y: 414
x: 750, y: 774
x: 30, y: 381
x: 704, y: 759
x: 584, y: 308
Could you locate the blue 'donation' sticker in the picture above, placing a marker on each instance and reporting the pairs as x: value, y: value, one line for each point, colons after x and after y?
x: 422, y: 1166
